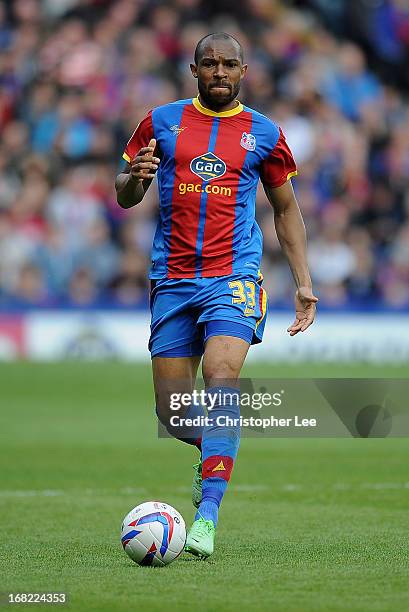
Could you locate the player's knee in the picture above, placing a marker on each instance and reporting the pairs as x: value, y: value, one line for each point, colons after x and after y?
x: 221, y: 372
x: 163, y: 413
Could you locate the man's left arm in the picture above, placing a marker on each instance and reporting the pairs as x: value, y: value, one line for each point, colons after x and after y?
x: 291, y: 234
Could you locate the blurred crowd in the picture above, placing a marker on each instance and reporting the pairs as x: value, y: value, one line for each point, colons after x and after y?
x: 76, y: 76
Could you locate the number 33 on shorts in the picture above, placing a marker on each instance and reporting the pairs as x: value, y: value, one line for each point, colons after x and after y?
x: 244, y: 292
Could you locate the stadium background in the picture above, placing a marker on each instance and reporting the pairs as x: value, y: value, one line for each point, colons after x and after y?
x: 308, y: 524
x: 75, y: 79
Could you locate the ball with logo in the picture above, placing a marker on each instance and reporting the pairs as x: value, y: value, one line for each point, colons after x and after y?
x: 153, y: 533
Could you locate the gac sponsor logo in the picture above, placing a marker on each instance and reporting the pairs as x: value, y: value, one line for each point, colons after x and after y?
x: 208, y: 166
x: 198, y: 188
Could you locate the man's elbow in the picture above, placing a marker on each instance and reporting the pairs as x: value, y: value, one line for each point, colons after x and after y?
x: 119, y: 197
x: 124, y: 203
x: 120, y: 203
x: 125, y: 197
x: 282, y: 210
x: 286, y: 207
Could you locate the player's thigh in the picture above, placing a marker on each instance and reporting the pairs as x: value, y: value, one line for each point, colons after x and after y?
x: 223, y: 359
x: 233, y: 316
x: 172, y: 375
x: 174, y: 331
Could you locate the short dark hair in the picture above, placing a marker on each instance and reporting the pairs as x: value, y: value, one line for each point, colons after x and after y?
x: 216, y: 36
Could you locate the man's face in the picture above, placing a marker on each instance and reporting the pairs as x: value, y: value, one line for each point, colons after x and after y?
x: 219, y: 73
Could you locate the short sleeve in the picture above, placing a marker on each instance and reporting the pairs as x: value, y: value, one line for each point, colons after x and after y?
x: 140, y: 138
x: 279, y: 166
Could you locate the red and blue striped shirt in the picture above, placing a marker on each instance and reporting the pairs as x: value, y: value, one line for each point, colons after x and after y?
x: 210, y: 166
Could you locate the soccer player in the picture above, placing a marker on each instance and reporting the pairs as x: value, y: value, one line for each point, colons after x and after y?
x: 207, y: 300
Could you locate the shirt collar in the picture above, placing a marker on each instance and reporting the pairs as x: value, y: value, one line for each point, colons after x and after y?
x: 206, y: 111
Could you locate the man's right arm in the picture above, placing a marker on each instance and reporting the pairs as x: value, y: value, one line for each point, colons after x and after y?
x: 132, y: 184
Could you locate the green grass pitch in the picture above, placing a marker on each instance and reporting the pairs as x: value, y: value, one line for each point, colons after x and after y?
x: 307, y: 525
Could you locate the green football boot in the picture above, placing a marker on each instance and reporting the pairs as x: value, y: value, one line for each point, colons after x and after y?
x: 197, y: 484
x: 200, y: 539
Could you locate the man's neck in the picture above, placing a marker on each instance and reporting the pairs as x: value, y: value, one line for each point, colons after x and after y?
x: 220, y: 109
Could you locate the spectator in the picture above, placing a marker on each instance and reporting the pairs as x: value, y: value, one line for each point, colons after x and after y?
x: 99, y: 254
x: 30, y: 289
x: 76, y: 77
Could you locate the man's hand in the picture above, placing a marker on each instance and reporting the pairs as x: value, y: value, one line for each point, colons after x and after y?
x: 132, y: 184
x: 144, y: 165
x: 304, y: 310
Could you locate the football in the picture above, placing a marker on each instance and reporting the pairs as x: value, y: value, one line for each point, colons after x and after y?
x: 153, y: 533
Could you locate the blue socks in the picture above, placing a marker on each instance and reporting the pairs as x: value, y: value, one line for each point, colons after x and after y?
x: 220, y: 443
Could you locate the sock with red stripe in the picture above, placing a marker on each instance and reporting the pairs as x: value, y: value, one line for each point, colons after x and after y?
x: 220, y: 443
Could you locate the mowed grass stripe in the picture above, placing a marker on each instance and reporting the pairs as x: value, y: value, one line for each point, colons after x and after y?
x: 308, y: 524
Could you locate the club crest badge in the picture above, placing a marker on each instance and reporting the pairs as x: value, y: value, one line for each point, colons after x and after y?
x: 248, y: 141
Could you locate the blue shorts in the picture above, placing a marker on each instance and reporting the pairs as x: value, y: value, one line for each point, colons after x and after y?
x: 186, y: 312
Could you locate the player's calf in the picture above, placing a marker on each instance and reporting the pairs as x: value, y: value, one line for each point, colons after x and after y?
x: 220, y: 443
x: 189, y: 435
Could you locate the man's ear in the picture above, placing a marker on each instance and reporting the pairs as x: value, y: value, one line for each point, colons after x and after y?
x: 243, y: 70
x: 193, y: 69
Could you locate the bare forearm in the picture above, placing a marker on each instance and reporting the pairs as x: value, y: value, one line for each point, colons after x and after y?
x: 291, y: 234
x: 129, y: 191
x: 290, y: 230
x: 132, y: 185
